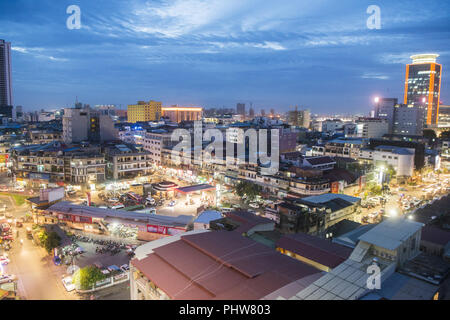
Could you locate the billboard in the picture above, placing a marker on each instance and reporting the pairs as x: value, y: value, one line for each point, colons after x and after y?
x: 170, y: 231
x: 51, y: 195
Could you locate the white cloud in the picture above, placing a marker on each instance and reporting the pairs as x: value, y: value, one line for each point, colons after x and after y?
x: 36, y: 52
x: 264, y: 45
x: 270, y: 45
x: 378, y: 76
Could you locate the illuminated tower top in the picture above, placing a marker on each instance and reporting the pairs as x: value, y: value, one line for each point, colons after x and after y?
x: 424, y: 58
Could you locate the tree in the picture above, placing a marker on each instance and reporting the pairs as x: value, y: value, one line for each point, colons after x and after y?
x: 430, y: 135
x: 85, y: 278
x: 50, y: 240
x: 245, y: 188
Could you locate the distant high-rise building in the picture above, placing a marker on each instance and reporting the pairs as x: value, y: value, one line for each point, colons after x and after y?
x: 444, y: 116
x: 144, y: 111
x: 408, y: 120
x: 263, y: 113
x: 384, y: 109
x: 87, y: 125
x: 251, y: 112
x: 240, y: 109
x: 422, y: 85
x: 272, y: 112
x: 6, y: 96
x: 299, y: 118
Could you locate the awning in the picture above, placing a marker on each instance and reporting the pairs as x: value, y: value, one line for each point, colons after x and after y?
x: 198, y: 187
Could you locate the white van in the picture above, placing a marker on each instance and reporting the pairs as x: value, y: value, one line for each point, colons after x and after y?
x: 119, y: 206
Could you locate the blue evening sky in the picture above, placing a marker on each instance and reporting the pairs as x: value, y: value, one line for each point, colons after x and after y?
x: 317, y: 53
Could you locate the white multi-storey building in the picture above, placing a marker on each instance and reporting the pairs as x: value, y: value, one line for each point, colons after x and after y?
x: 401, y: 159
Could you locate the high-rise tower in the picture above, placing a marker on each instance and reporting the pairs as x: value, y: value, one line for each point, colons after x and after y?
x: 6, y: 97
x: 422, y: 85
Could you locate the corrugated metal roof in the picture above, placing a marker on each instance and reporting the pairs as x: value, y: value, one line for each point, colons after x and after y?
x: 391, y: 233
x: 316, y: 249
x: 220, y: 265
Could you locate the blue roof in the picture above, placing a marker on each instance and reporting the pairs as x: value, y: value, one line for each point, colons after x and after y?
x: 329, y: 197
x: 207, y: 216
x: 351, y: 141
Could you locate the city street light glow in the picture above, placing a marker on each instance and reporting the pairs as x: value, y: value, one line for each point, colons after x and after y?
x: 393, y: 213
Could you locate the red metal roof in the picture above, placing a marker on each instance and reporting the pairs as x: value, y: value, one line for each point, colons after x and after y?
x: 247, y: 220
x: 220, y: 265
x: 316, y: 249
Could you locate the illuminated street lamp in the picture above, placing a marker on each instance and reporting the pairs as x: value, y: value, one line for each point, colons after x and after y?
x: 377, y: 99
x: 393, y: 213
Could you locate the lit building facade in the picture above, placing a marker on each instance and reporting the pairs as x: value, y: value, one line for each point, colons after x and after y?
x: 422, y: 85
x: 179, y: 113
x: 144, y: 111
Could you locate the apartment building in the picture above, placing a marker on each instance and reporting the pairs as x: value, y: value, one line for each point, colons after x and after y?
x: 346, y: 148
x: 127, y: 161
x: 45, y: 136
x: 144, y: 111
x: 401, y: 159
x: 87, y: 125
x: 154, y: 141
x: 49, y: 164
x: 371, y: 128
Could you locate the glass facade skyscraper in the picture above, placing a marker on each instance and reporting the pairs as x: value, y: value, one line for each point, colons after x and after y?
x: 6, y: 98
x: 422, y: 85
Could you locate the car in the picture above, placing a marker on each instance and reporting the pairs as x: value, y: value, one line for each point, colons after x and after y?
x: 125, y: 267
x: 150, y: 201
x: 254, y: 205
x: 118, y: 206
x: 113, y: 200
x: 105, y: 271
x: 113, y: 267
x: 5, y: 278
x: 67, y: 282
x: 172, y: 203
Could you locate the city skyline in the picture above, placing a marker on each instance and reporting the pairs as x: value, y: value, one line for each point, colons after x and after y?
x: 183, y: 53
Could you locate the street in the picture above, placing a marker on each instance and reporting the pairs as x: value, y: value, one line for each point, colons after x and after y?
x: 38, y: 278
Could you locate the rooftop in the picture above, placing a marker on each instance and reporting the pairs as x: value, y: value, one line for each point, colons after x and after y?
x: 320, y: 160
x: 391, y: 233
x: 218, y: 265
x: 121, y: 216
x: 314, y: 248
x: 323, y: 198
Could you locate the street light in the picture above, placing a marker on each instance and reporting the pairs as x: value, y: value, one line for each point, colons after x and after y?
x: 377, y: 99
x: 393, y: 213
